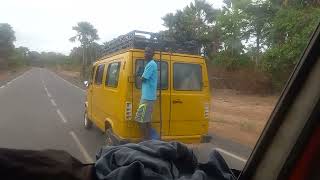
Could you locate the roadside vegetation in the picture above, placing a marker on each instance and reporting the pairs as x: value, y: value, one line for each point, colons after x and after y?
x: 12, y: 57
x: 259, y: 39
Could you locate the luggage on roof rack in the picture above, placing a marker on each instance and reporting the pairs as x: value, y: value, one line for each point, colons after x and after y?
x: 141, y: 39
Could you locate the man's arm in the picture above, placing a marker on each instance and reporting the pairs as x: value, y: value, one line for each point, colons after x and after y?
x: 143, y: 79
x: 147, y: 72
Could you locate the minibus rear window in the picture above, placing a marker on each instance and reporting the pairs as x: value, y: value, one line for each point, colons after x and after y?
x: 187, y: 77
x: 140, y: 64
x: 99, y: 75
x: 92, y: 74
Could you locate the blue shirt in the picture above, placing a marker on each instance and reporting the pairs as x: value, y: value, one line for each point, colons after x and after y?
x: 149, y: 85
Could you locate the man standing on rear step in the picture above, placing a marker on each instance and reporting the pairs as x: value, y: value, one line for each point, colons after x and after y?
x: 148, y: 94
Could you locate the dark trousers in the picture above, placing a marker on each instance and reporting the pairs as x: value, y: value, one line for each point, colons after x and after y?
x: 145, y: 130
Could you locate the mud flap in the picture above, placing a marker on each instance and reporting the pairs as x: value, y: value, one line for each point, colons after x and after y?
x: 114, y: 140
x: 206, y: 138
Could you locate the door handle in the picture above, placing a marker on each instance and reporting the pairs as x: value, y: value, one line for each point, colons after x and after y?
x: 177, y: 101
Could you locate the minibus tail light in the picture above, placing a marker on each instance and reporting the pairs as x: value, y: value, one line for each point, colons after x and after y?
x: 128, y: 111
x: 206, y: 111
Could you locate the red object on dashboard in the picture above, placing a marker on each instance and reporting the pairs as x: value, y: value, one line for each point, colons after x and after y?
x: 303, y: 166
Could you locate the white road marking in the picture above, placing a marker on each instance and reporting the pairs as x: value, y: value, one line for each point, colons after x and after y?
x: 231, y: 155
x: 81, y: 147
x: 18, y: 77
x: 15, y: 79
x: 63, y: 119
x: 53, y: 103
x: 9, y: 82
x: 68, y: 82
x: 2, y: 86
x: 46, y: 89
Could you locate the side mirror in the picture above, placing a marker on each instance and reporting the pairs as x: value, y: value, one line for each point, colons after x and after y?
x: 86, y: 83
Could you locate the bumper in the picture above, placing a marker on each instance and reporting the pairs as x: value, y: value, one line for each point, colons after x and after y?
x: 184, y: 139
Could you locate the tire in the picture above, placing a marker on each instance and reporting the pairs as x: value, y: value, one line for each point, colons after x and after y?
x: 86, y: 121
x: 111, y: 139
x: 108, y: 136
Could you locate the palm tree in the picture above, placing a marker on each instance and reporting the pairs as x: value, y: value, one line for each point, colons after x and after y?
x: 86, y: 35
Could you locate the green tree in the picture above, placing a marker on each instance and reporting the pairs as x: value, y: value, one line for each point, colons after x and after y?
x: 7, y: 38
x: 35, y: 58
x: 24, y: 51
x: 76, y: 55
x: 286, y: 3
x: 231, y: 22
x: 245, y: 33
x: 292, y: 27
x: 194, y: 23
x: 86, y: 35
x: 95, y: 50
x: 259, y: 15
x: 19, y: 57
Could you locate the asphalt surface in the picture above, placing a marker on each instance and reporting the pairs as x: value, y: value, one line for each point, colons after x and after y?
x: 40, y: 110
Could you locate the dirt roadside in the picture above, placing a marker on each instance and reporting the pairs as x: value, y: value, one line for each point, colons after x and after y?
x: 71, y: 76
x: 7, y: 75
x: 239, y: 117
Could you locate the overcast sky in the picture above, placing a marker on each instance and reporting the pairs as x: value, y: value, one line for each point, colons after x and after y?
x: 47, y: 25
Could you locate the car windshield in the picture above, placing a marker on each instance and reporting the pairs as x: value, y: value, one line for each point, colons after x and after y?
x: 206, y: 73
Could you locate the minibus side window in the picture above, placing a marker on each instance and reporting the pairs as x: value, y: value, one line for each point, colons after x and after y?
x: 113, y: 75
x: 99, y: 75
x: 92, y: 74
x: 140, y: 64
x: 187, y: 77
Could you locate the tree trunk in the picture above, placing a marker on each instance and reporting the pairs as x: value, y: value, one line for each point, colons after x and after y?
x: 83, y: 63
x: 89, y: 59
x: 90, y: 54
x: 258, y: 48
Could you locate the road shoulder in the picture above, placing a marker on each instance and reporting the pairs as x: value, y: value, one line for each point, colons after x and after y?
x: 75, y: 80
x: 7, y: 76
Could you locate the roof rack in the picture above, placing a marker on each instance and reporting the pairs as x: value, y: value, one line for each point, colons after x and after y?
x: 141, y: 39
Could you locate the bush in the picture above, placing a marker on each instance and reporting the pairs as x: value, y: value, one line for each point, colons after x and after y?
x: 16, y: 60
x: 231, y: 62
x: 293, y: 27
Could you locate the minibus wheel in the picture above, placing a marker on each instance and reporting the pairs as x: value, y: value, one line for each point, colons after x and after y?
x: 87, y: 122
x: 109, y: 141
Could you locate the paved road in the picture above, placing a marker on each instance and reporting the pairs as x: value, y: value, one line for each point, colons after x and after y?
x: 40, y: 110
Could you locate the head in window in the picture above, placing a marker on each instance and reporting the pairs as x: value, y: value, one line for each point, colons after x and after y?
x: 148, y: 53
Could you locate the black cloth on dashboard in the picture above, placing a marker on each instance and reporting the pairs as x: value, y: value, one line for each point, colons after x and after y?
x: 146, y: 160
x: 158, y: 160
x: 42, y: 165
